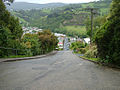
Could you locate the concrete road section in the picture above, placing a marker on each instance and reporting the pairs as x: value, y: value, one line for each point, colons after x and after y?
x: 62, y: 71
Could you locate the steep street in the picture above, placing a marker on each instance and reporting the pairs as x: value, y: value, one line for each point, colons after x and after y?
x: 63, y: 71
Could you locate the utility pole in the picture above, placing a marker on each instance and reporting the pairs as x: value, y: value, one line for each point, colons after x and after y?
x: 91, y: 35
x: 93, y: 12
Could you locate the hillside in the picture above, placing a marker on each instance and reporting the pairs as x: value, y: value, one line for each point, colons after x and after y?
x: 58, y: 18
x: 28, y: 6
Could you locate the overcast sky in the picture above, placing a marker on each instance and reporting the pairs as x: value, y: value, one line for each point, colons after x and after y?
x: 53, y: 1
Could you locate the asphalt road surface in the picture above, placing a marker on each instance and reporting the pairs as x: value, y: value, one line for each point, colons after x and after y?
x: 66, y: 44
x: 63, y: 71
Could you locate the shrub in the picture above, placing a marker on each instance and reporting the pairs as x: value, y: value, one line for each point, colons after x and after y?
x: 108, y: 37
x: 82, y: 50
x: 91, y: 51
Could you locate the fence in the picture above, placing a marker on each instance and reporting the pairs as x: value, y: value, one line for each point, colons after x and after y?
x: 14, y: 52
x: 11, y: 51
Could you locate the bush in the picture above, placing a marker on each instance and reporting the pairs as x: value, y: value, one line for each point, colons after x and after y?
x: 91, y: 51
x: 82, y: 50
x: 108, y: 37
x: 77, y: 44
x: 40, y: 43
x: 78, y: 47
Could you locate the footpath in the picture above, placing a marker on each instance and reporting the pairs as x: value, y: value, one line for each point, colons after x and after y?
x: 26, y: 58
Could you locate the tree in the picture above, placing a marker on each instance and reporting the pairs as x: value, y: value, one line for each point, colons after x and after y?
x: 5, y: 40
x: 31, y: 43
x: 108, y: 36
x: 40, y: 43
x: 15, y: 28
x: 11, y: 1
x: 48, y: 40
x: 97, y: 23
x: 10, y: 29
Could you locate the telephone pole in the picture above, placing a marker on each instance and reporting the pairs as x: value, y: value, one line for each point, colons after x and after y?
x: 91, y: 35
x: 93, y: 12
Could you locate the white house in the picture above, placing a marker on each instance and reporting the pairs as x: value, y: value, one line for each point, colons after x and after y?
x: 87, y: 40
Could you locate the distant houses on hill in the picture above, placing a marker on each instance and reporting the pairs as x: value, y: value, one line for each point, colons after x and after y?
x: 31, y: 30
x: 61, y: 38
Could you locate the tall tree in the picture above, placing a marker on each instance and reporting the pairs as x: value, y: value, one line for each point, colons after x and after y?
x: 108, y: 37
x: 10, y: 29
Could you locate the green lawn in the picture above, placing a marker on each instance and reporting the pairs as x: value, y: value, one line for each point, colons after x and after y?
x: 78, y: 30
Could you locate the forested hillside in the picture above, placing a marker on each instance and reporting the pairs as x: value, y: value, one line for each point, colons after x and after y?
x: 56, y: 19
x: 28, y: 6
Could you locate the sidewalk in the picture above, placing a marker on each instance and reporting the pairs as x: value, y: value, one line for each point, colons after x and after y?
x: 26, y: 58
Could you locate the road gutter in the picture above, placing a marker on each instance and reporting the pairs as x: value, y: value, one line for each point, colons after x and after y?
x: 103, y: 64
x: 100, y: 63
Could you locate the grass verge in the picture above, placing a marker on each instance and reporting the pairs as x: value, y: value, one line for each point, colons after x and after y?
x: 90, y: 59
x: 17, y: 56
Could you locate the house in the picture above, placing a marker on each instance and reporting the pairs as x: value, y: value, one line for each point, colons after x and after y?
x: 87, y: 40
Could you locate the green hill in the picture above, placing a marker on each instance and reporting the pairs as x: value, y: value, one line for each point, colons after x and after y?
x: 28, y: 6
x: 58, y: 18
